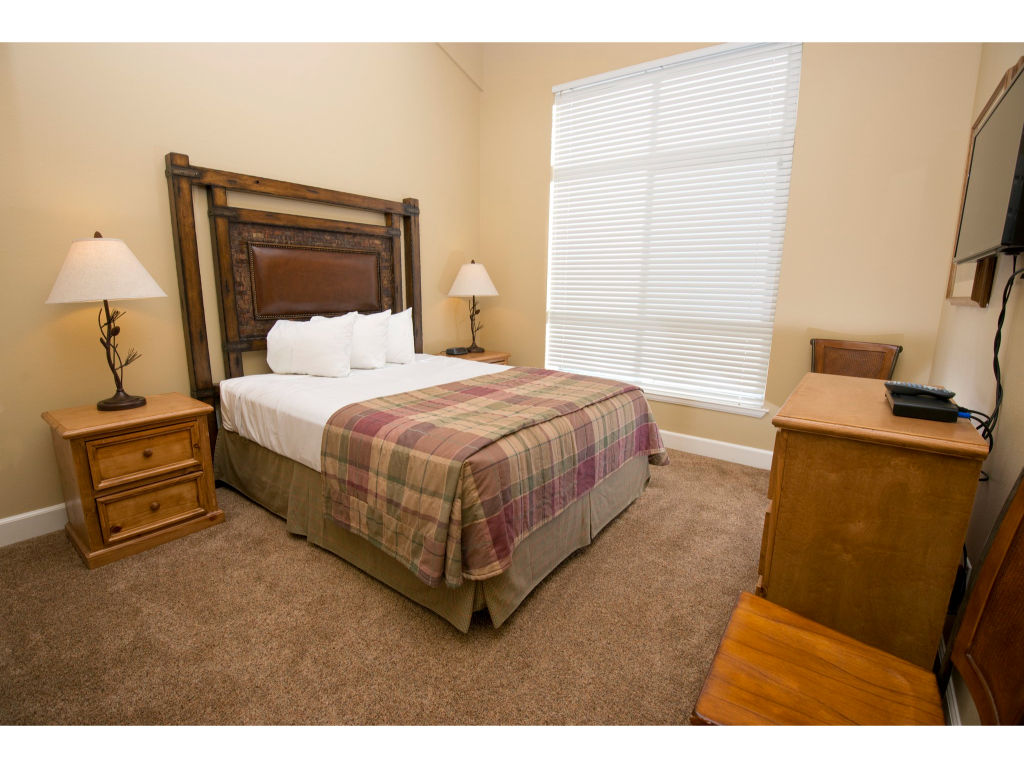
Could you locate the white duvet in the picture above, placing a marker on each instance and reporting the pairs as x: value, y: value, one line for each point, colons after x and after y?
x: 287, y: 413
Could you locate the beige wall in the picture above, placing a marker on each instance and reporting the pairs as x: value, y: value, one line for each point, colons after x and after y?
x: 963, y: 354
x: 881, y: 137
x: 875, y: 187
x: 84, y: 132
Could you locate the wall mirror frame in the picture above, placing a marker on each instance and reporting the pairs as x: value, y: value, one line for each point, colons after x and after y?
x: 971, y: 284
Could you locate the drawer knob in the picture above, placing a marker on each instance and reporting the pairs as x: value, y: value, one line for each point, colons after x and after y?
x: 115, y: 528
x: 147, y: 453
x: 154, y: 506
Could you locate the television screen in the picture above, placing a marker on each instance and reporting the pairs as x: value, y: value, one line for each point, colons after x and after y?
x: 990, y: 219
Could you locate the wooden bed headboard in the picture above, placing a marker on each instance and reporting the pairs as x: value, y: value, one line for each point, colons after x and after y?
x: 270, y: 265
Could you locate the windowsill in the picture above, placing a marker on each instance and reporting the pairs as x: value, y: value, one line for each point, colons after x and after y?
x: 740, y: 410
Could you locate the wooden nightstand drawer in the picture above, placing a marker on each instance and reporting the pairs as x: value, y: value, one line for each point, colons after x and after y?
x: 134, y: 478
x: 131, y: 513
x: 138, y: 456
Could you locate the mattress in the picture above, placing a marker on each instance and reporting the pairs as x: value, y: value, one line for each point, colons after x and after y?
x: 287, y: 413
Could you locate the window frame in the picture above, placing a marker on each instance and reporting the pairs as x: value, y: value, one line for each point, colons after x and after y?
x: 774, y: 254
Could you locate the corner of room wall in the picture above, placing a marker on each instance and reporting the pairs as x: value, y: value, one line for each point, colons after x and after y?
x: 469, y: 58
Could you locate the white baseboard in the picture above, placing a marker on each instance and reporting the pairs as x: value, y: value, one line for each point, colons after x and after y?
x: 38, y: 522
x: 30, y: 524
x: 716, y: 449
x: 952, y: 705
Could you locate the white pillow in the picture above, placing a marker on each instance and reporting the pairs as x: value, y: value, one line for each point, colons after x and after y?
x: 318, y: 349
x: 401, y: 346
x: 370, y: 339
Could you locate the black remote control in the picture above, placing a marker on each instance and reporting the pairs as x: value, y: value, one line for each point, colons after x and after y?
x: 907, y: 388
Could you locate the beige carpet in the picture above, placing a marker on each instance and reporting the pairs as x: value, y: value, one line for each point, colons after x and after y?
x: 245, y: 624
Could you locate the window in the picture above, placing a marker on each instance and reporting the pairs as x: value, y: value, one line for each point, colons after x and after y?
x: 670, y: 183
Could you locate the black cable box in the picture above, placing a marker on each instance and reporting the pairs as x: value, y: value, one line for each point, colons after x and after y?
x: 923, y: 407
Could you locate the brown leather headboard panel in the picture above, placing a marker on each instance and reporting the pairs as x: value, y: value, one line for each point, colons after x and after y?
x: 271, y: 271
x: 272, y: 265
x: 300, y: 281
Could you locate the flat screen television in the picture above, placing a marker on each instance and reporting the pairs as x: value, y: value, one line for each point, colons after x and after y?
x: 991, y: 219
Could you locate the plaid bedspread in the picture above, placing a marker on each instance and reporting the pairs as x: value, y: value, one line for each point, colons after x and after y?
x: 447, y: 480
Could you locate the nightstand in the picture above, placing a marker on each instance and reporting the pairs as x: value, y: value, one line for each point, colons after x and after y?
x: 136, y: 478
x: 501, y: 358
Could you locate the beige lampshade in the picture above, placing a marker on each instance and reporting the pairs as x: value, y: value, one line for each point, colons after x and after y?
x: 102, y: 268
x: 472, y: 280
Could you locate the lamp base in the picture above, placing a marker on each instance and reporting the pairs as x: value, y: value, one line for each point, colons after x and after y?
x: 475, y: 348
x: 121, y: 401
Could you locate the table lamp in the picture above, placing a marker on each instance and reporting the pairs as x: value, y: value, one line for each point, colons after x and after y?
x: 473, y: 281
x: 100, y: 269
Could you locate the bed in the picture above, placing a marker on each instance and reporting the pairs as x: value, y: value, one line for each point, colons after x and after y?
x: 516, y: 500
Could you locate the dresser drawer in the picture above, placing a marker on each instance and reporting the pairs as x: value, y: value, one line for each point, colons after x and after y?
x: 138, y: 456
x: 141, y: 510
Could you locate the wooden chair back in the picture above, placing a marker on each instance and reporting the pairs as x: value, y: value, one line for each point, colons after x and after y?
x: 867, y: 359
x: 989, y: 647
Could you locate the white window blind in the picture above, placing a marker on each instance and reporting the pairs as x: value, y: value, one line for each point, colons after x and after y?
x: 670, y: 184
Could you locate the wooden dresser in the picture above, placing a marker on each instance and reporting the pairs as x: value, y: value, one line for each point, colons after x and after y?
x: 867, y: 514
x: 136, y: 478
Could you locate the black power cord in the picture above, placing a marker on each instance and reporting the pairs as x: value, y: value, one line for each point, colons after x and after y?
x: 982, y: 420
x: 995, y: 347
x: 986, y: 424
